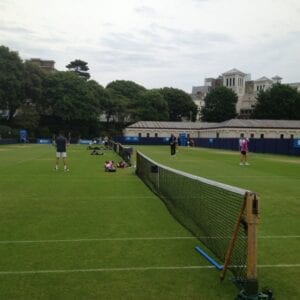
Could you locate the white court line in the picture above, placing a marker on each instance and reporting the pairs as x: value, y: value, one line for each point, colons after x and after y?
x: 136, y: 239
x: 101, y: 197
x: 133, y: 269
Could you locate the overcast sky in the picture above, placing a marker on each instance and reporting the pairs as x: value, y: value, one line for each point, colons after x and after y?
x: 158, y: 43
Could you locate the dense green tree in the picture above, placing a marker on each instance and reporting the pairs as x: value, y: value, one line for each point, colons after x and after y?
x: 151, y: 107
x: 79, y: 67
x: 11, y: 76
x: 220, y: 105
x: 33, y: 79
x: 180, y: 104
x: 27, y: 117
x: 124, y: 100
x: 128, y: 89
x: 280, y: 102
x: 117, y: 107
x: 69, y: 97
x: 98, y: 92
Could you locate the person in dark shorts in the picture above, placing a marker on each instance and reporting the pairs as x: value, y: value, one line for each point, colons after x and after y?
x: 173, y: 142
x: 61, y: 150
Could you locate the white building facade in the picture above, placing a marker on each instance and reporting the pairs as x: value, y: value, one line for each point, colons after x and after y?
x: 241, y: 83
x: 235, y: 128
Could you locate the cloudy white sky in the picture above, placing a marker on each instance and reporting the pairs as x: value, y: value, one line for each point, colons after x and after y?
x: 158, y: 43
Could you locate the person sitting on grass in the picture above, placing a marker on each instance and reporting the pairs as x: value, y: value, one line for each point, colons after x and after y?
x: 122, y: 164
x: 109, y: 166
x: 95, y: 152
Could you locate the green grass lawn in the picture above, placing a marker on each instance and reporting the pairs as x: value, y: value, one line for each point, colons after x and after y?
x: 87, y: 234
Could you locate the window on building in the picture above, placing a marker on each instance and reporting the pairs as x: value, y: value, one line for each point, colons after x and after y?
x: 282, y: 136
x: 156, y: 134
x: 140, y: 135
x: 217, y: 135
x: 262, y: 136
x: 148, y: 134
x: 292, y: 136
x: 252, y: 135
x: 229, y: 81
x: 233, y: 81
x: 226, y: 81
x: 241, y: 135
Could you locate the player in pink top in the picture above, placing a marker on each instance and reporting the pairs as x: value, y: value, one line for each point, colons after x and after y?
x: 244, y: 150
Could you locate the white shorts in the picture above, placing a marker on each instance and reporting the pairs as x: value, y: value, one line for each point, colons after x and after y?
x: 61, y: 154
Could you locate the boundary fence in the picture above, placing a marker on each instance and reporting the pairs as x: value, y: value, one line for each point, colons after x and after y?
x: 271, y: 146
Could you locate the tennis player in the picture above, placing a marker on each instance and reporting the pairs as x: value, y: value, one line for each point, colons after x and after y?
x: 244, y: 151
x: 61, y: 150
x: 173, y: 143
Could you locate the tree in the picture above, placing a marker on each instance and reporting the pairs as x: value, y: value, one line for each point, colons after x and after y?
x: 220, y: 105
x: 69, y: 97
x: 128, y: 89
x: 152, y: 107
x: 117, y: 106
x: 124, y: 100
x: 180, y: 104
x: 27, y: 117
x: 33, y: 79
x: 11, y: 75
x: 98, y: 92
x: 280, y: 102
x: 79, y: 67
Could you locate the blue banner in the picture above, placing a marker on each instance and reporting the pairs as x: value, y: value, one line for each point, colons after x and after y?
x: 44, y: 141
x: 23, y: 135
x: 85, y: 142
x: 297, y: 143
x: 131, y: 139
x: 182, y: 139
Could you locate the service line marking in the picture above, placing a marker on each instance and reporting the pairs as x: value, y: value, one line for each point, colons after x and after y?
x: 137, y: 239
x: 132, y: 269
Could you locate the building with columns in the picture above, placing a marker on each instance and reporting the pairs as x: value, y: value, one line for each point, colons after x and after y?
x: 241, y: 83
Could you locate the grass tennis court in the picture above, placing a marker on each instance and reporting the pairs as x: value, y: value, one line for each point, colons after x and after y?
x: 87, y: 234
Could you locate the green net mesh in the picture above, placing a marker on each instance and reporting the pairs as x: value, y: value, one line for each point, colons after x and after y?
x: 208, y: 209
x: 123, y: 151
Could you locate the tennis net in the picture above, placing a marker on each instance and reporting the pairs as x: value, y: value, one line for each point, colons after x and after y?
x: 213, y: 212
x: 121, y: 150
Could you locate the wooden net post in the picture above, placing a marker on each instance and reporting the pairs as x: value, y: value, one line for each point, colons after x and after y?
x: 251, y: 284
x: 250, y: 204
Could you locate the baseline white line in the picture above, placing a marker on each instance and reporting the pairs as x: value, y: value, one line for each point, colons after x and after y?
x: 135, y: 239
x: 280, y: 266
x: 97, y: 240
x: 279, y: 237
x: 133, y: 269
x: 104, y: 270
